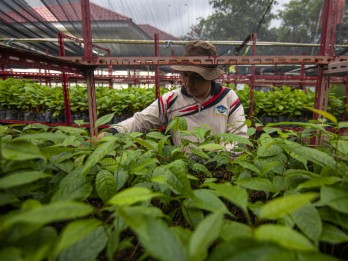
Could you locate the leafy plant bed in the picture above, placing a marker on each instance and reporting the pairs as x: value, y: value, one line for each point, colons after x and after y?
x: 137, y: 197
x: 20, y: 100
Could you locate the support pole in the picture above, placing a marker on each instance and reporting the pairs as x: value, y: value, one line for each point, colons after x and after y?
x: 327, y: 41
x: 344, y: 115
x: 157, y: 73
x: 89, y: 72
x: 92, y: 101
x: 65, y: 83
x: 252, y: 78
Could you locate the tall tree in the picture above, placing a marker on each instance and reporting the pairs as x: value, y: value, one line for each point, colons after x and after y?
x: 300, y: 23
x: 233, y: 20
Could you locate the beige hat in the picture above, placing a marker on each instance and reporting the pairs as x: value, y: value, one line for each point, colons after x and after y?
x: 200, y: 48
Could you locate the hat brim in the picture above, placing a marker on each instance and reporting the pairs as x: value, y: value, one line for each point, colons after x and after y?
x: 209, y: 74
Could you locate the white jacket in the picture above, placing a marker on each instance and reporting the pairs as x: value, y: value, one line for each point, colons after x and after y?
x: 222, y: 112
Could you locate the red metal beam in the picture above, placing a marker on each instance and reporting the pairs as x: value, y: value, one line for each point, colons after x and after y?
x: 10, y: 56
x: 291, y: 80
x: 220, y: 60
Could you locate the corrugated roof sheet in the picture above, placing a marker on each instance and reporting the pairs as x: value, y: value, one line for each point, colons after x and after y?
x: 73, y: 13
x: 151, y: 31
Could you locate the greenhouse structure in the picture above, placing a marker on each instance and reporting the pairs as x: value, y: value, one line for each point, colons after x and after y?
x: 71, y: 68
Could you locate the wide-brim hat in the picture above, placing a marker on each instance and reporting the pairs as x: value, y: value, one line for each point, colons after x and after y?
x: 200, y: 48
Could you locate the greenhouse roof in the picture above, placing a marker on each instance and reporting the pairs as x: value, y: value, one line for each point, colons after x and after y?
x: 19, y: 20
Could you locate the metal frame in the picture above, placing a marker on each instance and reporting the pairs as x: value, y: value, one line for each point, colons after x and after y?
x: 83, y: 67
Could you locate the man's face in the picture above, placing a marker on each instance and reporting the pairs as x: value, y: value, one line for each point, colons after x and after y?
x: 195, y: 84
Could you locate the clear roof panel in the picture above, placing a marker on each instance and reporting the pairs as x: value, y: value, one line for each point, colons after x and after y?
x: 114, y: 22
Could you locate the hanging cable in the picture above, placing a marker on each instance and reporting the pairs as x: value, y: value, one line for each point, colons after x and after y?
x: 263, y: 17
x: 248, y: 38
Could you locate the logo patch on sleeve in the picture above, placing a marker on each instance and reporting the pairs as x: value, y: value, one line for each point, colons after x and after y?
x: 221, y: 110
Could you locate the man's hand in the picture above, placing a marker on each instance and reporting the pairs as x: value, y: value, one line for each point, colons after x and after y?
x: 96, y: 138
x: 99, y: 136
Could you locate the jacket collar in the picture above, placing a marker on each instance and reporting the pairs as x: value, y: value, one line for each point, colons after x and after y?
x: 215, y: 89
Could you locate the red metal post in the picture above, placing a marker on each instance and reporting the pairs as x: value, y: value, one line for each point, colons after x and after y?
x: 252, y: 78
x: 327, y: 41
x: 134, y: 76
x: 157, y: 72
x: 67, y: 110
x: 89, y: 73
x: 92, y: 101
x: 87, y: 29
x: 344, y: 115
x: 65, y: 83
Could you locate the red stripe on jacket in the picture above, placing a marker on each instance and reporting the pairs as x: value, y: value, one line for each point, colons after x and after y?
x: 170, y: 98
x: 212, y: 99
x: 193, y: 108
x: 162, y: 104
x: 234, y: 104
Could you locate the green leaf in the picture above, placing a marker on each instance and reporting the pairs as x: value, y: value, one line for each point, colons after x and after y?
x: 307, y: 218
x: 248, y: 165
x: 207, y: 200
x: 343, y: 124
x: 21, y: 178
x: 318, y: 182
x: 193, y: 216
x: 283, y: 236
x: 333, y: 235
x: 38, y: 246
x: 146, y: 143
x: 56, y: 137
x: 204, y: 236
x: 335, y: 197
x: 182, y: 124
x: 270, y: 130
x: 88, y: 248
x: 234, y: 194
x: 199, y: 153
x: 73, y: 187
x: 314, y: 155
x: 246, y: 249
x: 177, y: 178
x: 97, y: 155
x: 105, y: 185
x: 74, y: 232
x: 11, y: 254
x: 132, y: 196
x: 342, y: 146
x: 201, y: 168
x: 155, y: 135
x: 285, y: 205
x: 71, y: 130
x: 104, y: 120
x: 7, y: 198
x: 121, y: 175
x: 235, y: 230
x: 335, y: 217
x: 154, y: 234
x: 325, y: 114
x: 268, y: 150
x: 211, y: 147
x: 21, y: 150
x: 269, y: 166
x: 230, y: 138
x: 260, y: 184
x: 54, y: 212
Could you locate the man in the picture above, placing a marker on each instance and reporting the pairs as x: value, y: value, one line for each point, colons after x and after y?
x: 200, y: 101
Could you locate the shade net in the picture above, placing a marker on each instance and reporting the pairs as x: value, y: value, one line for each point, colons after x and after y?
x: 136, y: 22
